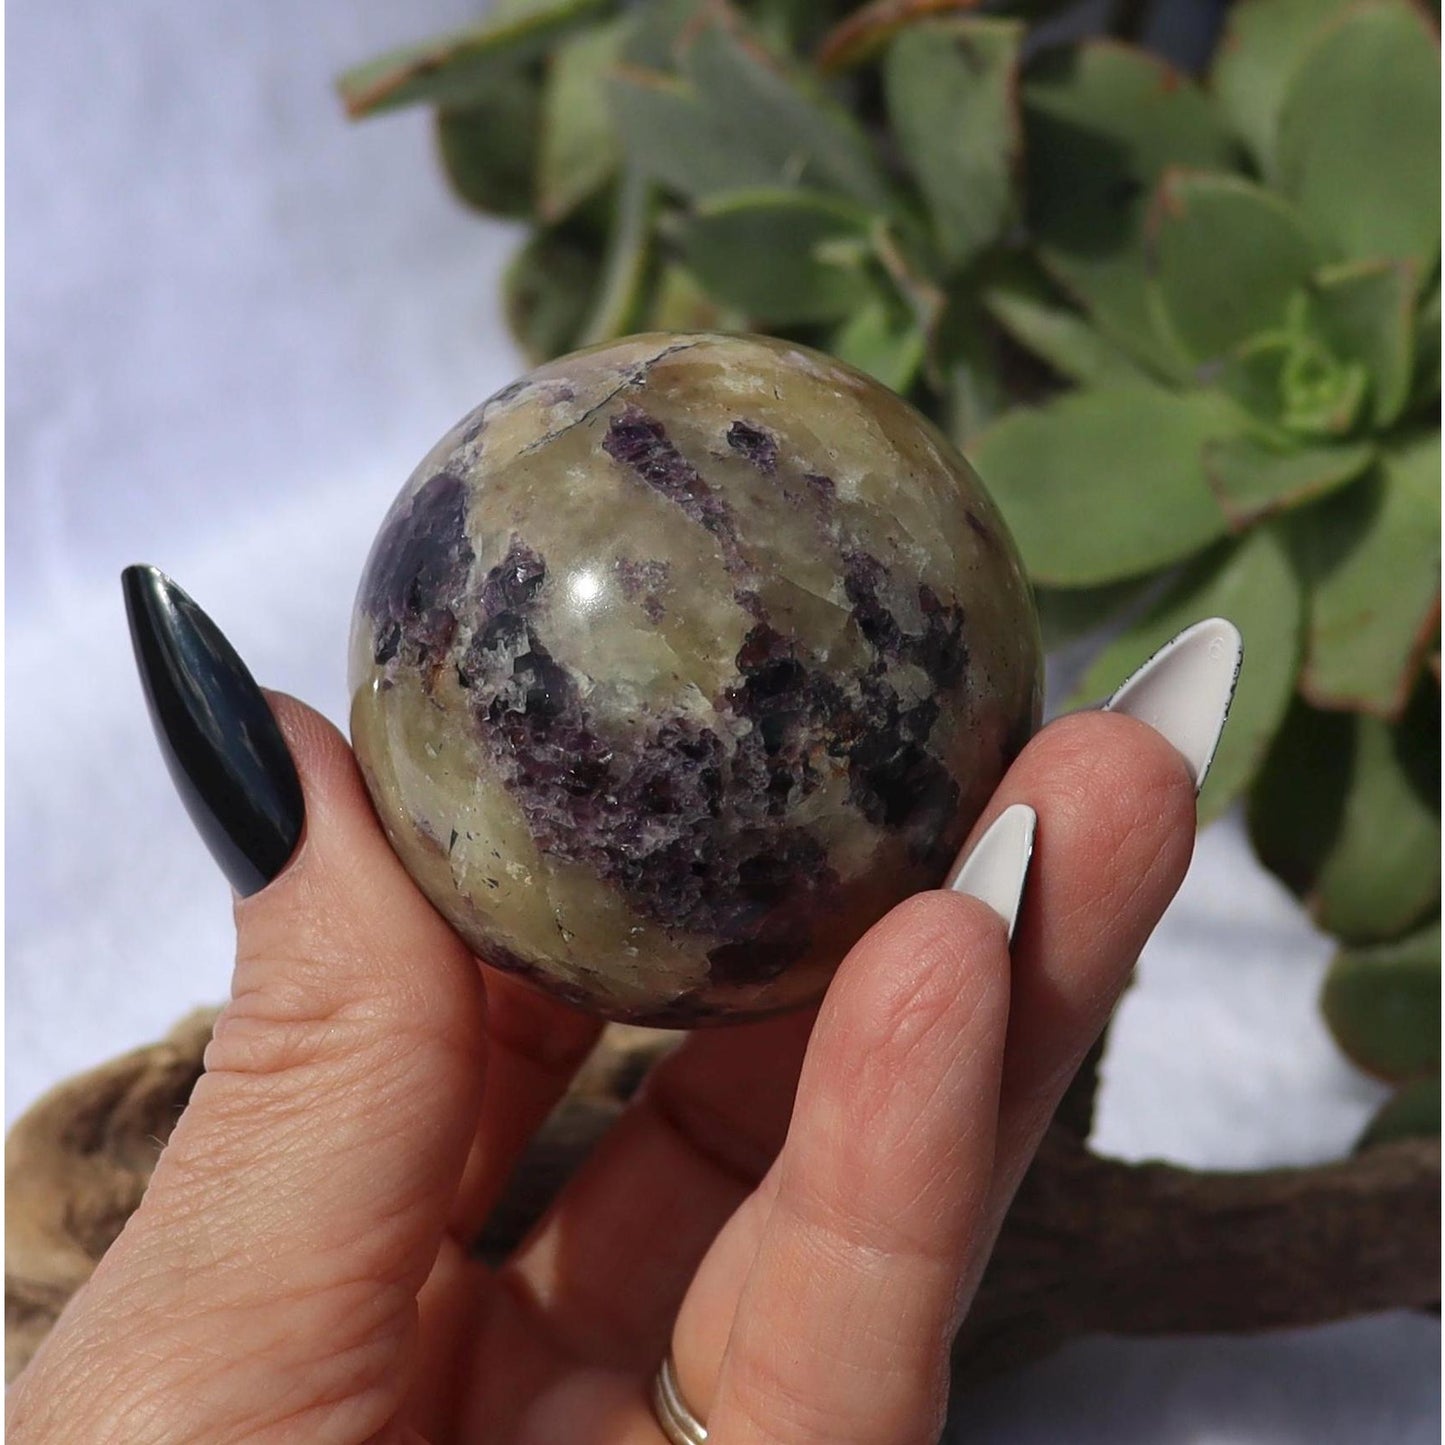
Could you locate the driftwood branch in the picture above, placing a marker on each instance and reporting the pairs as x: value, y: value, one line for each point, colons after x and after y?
x: 76, y: 1166
x: 1091, y: 1244
x: 1097, y: 1246
x: 1075, y: 1114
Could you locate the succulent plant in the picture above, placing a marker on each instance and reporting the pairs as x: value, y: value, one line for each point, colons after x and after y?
x: 1187, y: 328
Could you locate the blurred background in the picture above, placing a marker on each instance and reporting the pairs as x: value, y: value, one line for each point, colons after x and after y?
x: 235, y: 324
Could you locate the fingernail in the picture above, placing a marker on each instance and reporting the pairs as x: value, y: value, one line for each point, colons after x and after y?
x: 220, y: 741
x: 1184, y: 691
x: 995, y: 868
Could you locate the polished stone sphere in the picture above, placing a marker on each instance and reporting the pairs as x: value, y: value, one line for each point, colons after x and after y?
x: 681, y: 660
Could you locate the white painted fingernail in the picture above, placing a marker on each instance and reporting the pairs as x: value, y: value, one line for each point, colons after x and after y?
x: 1184, y: 691
x: 995, y: 869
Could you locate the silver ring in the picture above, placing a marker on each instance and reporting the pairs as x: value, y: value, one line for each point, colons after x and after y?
x: 678, y: 1422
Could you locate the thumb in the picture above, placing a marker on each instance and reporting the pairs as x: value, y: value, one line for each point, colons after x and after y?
x: 302, y: 1197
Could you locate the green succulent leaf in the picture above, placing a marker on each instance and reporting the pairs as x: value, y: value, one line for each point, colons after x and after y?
x: 489, y: 150
x: 680, y: 303
x: 1413, y: 1112
x: 800, y: 138
x: 883, y: 339
x: 1105, y: 484
x: 1254, y: 377
x: 864, y: 31
x: 460, y: 69
x: 782, y: 257
x: 1371, y: 557
x: 1425, y: 390
x: 788, y: 27
x: 974, y: 394
x: 1060, y: 337
x: 621, y: 293
x: 1069, y: 614
x: 1102, y: 122
x: 904, y: 254
x: 1227, y: 257
x: 965, y: 367
x: 1340, y: 813
x: 1254, y: 478
x: 735, y: 120
x: 655, y: 33
x: 1359, y: 134
x: 1365, y: 312
x: 1291, y: 380
x: 1254, y: 584
x: 1382, y: 1004
x: 671, y: 136
x: 1263, y: 42
x: 578, y: 149
x: 1321, y: 395
x: 548, y: 291
x: 952, y: 92
x: 862, y: 35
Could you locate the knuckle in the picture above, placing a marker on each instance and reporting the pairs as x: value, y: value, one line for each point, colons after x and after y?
x: 1113, y: 770
x: 282, y: 1024
x: 930, y: 971
x: 846, y: 1230
x: 1111, y: 787
x: 298, y: 1011
x: 864, y: 1394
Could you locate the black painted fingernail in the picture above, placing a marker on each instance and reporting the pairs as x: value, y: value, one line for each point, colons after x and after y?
x: 220, y: 740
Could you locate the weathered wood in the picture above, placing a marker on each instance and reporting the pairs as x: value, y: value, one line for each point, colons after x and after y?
x: 1091, y: 1244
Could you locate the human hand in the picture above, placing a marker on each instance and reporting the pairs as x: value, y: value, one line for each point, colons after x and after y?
x: 798, y: 1208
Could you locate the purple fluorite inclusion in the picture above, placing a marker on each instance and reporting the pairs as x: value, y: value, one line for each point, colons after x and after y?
x: 699, y: 653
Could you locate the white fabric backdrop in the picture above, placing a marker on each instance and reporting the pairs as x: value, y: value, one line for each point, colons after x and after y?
x: 235, y: 324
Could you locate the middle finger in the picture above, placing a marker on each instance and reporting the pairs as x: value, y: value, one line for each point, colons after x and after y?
x: 607, y: 1266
